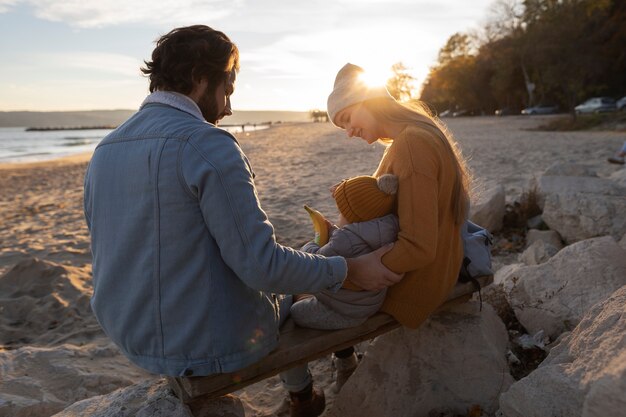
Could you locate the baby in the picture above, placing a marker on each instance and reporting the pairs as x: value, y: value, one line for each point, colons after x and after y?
x: 366, y: 223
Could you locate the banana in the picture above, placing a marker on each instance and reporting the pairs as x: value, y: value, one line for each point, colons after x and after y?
x: 319, y: 225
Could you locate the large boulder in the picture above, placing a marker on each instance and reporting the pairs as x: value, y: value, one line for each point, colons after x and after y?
x: 578, y: 216
x: 148, y: 398
x: 555, y: 295
x: 452, y: 362
x: 584, y: 375
x: 551, y: 237
x: 555, y: 184
x: 538, y: 252
x: 152, y: 399
x: 489, y: 208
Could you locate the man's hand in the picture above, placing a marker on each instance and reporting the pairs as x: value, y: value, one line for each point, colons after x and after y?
x: 368, y: 272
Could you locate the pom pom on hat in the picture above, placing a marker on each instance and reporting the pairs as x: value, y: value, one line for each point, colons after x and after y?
x: 350, y: 89
x: 365, y: 198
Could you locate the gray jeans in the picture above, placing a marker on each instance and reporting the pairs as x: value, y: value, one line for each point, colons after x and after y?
x: 297, y: 378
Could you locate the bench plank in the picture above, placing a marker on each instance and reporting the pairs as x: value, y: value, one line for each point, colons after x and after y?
x: 298, y: 345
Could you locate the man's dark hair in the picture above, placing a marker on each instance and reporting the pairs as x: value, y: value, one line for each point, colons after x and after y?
x: 187, y: 55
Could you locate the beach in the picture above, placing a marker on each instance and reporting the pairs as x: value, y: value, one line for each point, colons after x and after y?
x: 45, y: 260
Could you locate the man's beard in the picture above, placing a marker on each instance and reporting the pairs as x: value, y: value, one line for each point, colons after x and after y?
x: 208, y: 107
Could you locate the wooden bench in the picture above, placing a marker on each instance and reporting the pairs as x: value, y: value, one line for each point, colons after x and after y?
x: 300, y: 345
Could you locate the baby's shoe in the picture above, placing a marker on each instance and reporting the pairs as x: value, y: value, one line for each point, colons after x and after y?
x: 344, y: 367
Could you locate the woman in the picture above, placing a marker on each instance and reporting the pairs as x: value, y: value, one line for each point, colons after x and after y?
x: 433, y: 192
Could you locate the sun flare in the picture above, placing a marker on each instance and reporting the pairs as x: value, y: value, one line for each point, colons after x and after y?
x: 375, y: 77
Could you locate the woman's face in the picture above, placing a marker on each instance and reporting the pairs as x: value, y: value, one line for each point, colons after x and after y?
x: 359, y: 122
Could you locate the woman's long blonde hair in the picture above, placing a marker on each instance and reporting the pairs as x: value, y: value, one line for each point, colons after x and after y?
x: 416, y: 113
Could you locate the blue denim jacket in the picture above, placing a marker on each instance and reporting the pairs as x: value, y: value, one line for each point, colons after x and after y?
x: 184, y: 259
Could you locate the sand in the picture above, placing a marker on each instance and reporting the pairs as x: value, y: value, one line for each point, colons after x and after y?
x: 52, y: 351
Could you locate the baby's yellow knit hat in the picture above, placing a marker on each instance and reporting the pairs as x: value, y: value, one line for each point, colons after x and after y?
x: 365, y: 198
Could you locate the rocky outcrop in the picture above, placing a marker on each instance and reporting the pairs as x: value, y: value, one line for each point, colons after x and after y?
x: 489, y: 208
x: 555, y: 295
x: 537, y: 253
x: 585, y: 373
x: 155, y: 399
x: 550, y: 237
x: 578, y: 216
x: 579, y: 205
x: 452, y: 362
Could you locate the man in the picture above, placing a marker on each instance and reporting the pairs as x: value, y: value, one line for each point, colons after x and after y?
x: 185, y: 262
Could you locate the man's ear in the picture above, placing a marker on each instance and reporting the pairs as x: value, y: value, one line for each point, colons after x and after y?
x: 199, y: 89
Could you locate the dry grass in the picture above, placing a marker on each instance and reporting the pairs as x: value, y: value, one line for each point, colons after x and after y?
x: 601, y: 121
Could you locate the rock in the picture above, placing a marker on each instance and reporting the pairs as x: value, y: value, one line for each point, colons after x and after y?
x: 488, y: 210
x: 555, y: 295
x: 537, y: 253
x: 455, y: 360
x: 536, y: 222
x: 503, y: 274
x: 549, y: 184
x: 42, y: 381
x: 622, y: 242
x: 579, y: 216
x: 148, y: 398
x: 570, y: 170
x: 152, y: 399
x: 548, y: 236
x: 584, y: 374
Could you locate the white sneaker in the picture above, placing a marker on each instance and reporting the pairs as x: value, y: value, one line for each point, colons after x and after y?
x: 344, y: 369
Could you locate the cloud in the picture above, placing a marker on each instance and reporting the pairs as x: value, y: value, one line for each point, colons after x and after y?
x: 5, y: 5
x: 97, y: 13
x: 95, y: 62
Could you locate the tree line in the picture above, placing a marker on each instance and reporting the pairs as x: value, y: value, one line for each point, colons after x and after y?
x: 531, y: 52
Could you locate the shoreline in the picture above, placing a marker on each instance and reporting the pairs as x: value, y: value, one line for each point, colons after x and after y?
x: 78, y: 158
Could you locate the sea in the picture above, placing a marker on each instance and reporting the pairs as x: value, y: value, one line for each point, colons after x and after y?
x: 19, y: 145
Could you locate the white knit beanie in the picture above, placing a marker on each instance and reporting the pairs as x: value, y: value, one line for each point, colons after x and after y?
x: 350, y: 89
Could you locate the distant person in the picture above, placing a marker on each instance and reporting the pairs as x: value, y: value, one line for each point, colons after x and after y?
x: 366, y: 223
x: 618, y: 158
x: 185, y: 262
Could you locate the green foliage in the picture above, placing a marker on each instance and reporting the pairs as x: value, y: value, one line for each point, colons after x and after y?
x: 559, y: 51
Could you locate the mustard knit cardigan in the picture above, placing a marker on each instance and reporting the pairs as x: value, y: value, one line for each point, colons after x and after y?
x: 429, y: 248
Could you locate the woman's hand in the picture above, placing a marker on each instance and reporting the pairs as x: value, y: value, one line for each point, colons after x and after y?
x: 368, y: 272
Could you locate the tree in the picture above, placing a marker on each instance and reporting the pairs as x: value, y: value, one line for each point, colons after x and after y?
x: 400, y: 85
x: 318, y: 115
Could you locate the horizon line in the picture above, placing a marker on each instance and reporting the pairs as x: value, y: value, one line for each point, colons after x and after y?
x: 120, y: 109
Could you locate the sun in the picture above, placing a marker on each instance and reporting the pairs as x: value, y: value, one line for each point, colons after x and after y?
x: 375, y: 76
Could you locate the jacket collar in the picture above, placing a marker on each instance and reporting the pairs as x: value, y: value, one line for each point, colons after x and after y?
x: 176, y: 100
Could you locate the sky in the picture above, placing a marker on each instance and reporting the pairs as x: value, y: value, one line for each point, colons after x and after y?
x: 59, y: 55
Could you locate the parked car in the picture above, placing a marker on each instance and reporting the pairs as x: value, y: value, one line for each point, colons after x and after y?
x: 466, y: 112
x: 446, y: 113
x: 621, y: 104
x: 505, y: 111
x: 541, y: 109
x: 596, y: 105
